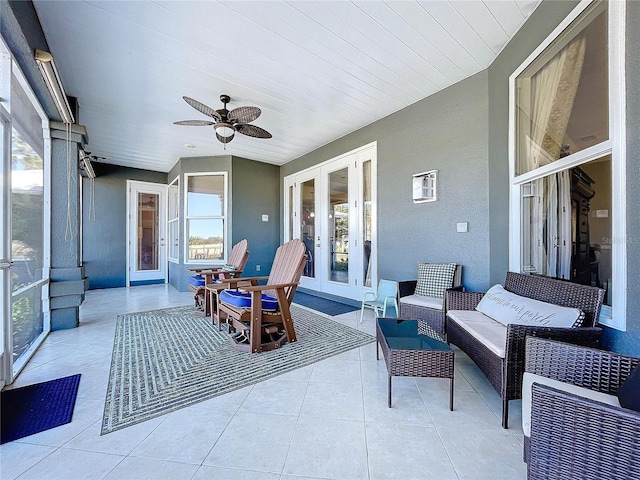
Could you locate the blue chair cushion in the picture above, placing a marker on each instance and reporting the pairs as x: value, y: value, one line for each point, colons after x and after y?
x: 243, y: 299
x: 196, y: 280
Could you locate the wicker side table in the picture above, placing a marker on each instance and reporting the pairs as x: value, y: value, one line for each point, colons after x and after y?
x: 413, y: 349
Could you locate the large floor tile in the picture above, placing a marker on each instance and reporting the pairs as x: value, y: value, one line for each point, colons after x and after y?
x: 186, y: 435
x: 16, y: 458
x: 389, y: 446
x: 272, y: 396
x: 332, y: 449
x: 407, y: 406
x: 120, y: 442
x: 334, y: 401
x: 132, y: 468
x: 481, y: 455
x: 209, y: 473
x: 66, y: 464
x: 254, y: 441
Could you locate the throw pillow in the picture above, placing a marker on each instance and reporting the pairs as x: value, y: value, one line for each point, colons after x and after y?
x: 629, y: 391
x: 434, y: 278
x: 506, y: 307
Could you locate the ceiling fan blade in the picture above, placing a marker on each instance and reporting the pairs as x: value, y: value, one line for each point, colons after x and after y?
x: 195, y: 123
x: 243, y: 114
x: 201, y: 107
x: 252, y: 130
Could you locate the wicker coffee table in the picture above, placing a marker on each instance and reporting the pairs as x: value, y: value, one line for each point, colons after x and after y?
x: 413, y: 349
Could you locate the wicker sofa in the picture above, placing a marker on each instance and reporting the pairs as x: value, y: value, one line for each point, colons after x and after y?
x: 504, y: 370
x: 428, y: 309
x: 573, y: 436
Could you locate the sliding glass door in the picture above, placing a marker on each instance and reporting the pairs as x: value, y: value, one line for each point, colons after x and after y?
x: 25, y: 220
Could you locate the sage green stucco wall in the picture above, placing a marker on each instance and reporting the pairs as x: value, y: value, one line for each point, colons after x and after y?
x: 448, y: 132
x: 253, y: 191
x: 104, y: 239
x: 256, y: 192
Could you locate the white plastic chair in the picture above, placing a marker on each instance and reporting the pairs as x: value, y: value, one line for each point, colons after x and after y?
x: 387, y: 295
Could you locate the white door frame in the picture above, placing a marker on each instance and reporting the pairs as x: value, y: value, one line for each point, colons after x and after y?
x: 355, y: 287
x: 133, y: 275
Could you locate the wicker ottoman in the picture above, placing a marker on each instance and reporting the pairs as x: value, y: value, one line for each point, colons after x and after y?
x: 411, y: 348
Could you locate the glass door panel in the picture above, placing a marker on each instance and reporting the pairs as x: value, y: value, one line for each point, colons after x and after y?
x: 308, y: 224
x: 27, y: 243
x: 339, y: 225
x: 148, y: 223
x: 367, y: 236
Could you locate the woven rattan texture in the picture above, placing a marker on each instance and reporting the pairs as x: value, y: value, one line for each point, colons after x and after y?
x: 506, y: 374
x: 416, y: 363
x: 572, y: 437
x: 434, y: 318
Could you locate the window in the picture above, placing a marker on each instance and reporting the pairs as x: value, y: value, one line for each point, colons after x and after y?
x: 567, y: 146
x: 174, y: 220
x: 206, y: 208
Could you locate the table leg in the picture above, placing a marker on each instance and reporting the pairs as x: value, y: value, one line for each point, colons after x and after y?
x: 451, y: 394
x: 389, y: 391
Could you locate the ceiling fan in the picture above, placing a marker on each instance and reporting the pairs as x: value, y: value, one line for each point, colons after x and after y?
x: 227, y: 122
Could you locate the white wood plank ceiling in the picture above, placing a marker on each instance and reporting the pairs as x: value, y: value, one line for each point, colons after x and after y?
x: 317, y: 69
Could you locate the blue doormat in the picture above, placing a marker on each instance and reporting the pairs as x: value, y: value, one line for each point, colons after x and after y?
x: 38, y: 407
x: 323, y: 305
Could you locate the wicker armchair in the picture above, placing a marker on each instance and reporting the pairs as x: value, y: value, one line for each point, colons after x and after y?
x: 434, y: 317
x: 505, y: 374
x: 572, y: 436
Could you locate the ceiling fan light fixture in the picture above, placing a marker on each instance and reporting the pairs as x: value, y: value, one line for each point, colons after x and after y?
x: 225, y: 130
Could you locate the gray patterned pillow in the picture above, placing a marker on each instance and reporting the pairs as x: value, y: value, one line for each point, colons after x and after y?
x: 434, y: 278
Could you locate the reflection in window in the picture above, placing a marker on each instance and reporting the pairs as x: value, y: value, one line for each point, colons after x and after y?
x: 173, y: 220
x: 206, y: 217
x: 27, y: 215
x: 562, y: 105
x: 566, y: 227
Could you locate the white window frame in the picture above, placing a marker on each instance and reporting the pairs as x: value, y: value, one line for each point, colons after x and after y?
x: 173, y: 221
x: 614, y: 316
x: 224, y: 217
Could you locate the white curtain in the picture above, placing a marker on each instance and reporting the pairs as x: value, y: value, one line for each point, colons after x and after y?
x: 553, y: 91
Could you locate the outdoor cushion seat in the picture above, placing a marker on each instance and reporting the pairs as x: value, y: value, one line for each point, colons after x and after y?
x: 243, y: 300
x: 422, y: 301
x: 196, y: 280
x: 487, y: 331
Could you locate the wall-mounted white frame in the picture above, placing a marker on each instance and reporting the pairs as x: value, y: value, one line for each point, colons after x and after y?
x: 424, y: 186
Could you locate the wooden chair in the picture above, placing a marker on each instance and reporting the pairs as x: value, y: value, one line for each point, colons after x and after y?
x: 206, y: 276
x: 261, y: 314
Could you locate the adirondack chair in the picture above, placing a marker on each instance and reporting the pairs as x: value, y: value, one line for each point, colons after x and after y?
x: 206, y: 276
x: 260, y: 314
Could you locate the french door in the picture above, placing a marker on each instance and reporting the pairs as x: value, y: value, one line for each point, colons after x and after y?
x: 331, y: 209
x: 147, y: 211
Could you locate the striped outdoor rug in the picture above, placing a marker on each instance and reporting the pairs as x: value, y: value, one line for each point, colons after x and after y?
x: 167, y: 359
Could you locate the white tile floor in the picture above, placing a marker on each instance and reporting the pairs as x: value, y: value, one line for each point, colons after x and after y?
x: 325, y: 421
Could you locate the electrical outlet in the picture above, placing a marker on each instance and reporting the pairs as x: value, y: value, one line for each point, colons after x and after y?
x: 257, y: 268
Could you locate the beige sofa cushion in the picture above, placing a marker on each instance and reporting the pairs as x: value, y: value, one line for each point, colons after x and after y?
x: 422, y: 301
x: 490, y: 333
x: 530, y: 378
